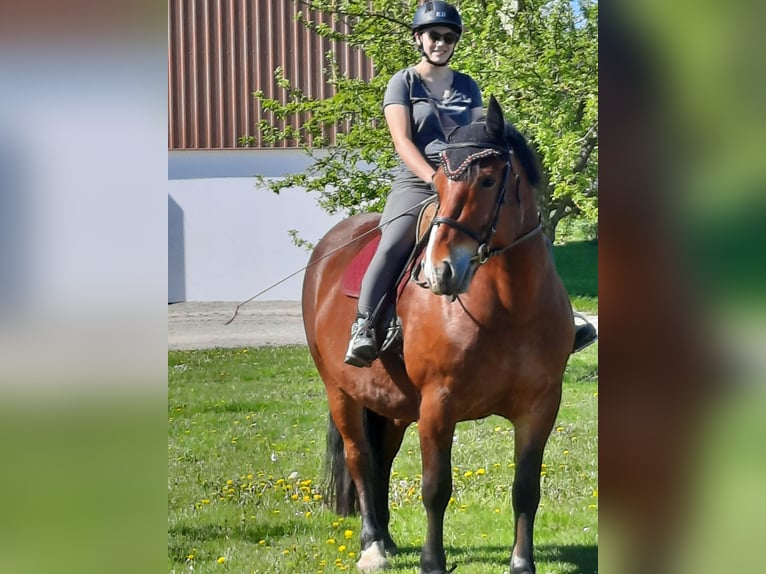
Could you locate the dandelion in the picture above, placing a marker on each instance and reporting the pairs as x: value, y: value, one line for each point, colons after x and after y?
x: 331, y: 541
x: 221, y: 559
x: 348, y: 534
x: 229, y: 482
x: 262, y: 542
x: 468, y: 474
x: 481, y: 472
x: 190, y: 557
x: 317, y: 497
x: 342, y: 548
x: 285, y: 552
x: 205, y: 501
x: 352, y: 555
x: 595, y: 493
x: 335, y: 524
x: 308, y: 514
x: 497, y: 511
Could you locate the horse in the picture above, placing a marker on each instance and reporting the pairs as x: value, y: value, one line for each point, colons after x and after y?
x: 488, y: 330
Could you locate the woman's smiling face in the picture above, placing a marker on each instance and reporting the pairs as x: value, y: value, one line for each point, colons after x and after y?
x: 438, y: 42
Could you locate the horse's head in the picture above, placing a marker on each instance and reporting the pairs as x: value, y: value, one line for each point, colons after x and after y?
x: 486, y: 201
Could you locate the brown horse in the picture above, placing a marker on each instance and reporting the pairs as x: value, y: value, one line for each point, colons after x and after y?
x: 491, y: 334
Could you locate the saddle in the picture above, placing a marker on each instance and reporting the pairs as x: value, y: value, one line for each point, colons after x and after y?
x: 351, y: 282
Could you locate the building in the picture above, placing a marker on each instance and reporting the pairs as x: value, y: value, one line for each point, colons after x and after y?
x: 227, y: 238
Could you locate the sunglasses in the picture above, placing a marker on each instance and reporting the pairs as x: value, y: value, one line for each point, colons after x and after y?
x: 448, y: 38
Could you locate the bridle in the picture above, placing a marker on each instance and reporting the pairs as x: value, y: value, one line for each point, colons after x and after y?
x: 483, y: 251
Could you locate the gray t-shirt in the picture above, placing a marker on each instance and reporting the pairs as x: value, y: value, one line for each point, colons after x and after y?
x: 431, y: 118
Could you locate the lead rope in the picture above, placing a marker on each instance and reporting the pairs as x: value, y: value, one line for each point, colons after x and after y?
x: 325, y: 256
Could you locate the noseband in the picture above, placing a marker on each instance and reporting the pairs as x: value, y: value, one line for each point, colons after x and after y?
x: 483, y: 252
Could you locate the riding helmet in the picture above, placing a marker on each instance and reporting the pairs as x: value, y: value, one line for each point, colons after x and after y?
x: 437, y: 14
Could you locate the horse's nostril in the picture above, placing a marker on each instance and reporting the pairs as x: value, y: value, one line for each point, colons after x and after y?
x: 446, y: 272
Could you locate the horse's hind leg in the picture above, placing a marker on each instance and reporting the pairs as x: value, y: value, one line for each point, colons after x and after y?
x: 531, y: 436
x: 349, y: 419
x: 385, y: 436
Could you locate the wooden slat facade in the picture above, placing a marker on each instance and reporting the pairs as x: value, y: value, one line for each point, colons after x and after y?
x: 221, y: 51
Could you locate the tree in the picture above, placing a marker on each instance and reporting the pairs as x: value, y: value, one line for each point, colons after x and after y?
x: 538, y: 58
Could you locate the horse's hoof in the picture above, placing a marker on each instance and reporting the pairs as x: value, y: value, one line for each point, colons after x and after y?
x: 522, y: 566
x: 373, y: 559
x: 450, y: 571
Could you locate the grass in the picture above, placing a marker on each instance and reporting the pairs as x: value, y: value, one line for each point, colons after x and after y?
x: 577, y: 263
x: 245, y: 456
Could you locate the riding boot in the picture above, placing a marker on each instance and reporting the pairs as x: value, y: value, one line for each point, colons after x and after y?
x: 585, y: 334
x: 362, y: 348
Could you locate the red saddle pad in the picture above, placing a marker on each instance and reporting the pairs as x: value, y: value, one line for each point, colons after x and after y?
x: 352, y: 277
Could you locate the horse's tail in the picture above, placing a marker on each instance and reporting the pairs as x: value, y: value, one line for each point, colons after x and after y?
x: 341, y: 493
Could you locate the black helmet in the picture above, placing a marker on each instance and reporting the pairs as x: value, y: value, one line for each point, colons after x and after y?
x: 437, y: 14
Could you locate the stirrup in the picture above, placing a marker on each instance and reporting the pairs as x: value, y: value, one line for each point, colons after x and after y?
x: 394, y: 337
x: 362, y: 348
x: 585, y: 335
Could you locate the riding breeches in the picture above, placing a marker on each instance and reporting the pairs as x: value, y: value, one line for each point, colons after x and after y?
x: 398, y: 223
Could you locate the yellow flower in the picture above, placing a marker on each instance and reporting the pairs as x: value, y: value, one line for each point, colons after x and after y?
x: 348, y: 534
x: 468, y: 474
x: 285, y: 552
x: 481, y: 471
x: 261, y: 542
x: 352, y: 554
x: 317, y: 497
x: 221, y: 559
x: 331, y: 541
x: 190, y: 557
x: 229, y: 482
x: 335, y: 524
x: 308, y: 514
x: 342, y: 548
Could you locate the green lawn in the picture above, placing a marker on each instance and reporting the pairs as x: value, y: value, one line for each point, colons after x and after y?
x: 577, y: 263
x: 246, y: 452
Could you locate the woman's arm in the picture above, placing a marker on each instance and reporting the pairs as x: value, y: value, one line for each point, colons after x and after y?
x: 398, y: 119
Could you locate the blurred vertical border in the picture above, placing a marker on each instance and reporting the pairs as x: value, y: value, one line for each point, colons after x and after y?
x: 83, y: 262
x: 682, y: 286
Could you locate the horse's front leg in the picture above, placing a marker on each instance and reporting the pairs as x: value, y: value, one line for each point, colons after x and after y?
x: 531, y: 437
x: 436, y: 430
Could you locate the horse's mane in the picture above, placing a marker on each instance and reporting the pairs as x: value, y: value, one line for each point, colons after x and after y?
x: 524, y: 153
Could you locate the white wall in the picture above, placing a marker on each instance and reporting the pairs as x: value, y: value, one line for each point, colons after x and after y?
x: 227, y: 238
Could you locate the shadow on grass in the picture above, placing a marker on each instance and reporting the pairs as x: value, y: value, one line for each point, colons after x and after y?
x: 184, y: 536
x: 577, y: 264
x: 579, y: 559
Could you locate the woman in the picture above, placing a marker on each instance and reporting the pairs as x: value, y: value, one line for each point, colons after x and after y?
x: 422, y: 104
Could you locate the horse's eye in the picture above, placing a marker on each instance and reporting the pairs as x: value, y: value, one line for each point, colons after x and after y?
x: 487, y: 181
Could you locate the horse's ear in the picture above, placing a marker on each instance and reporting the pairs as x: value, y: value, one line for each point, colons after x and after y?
x: 495, y: 122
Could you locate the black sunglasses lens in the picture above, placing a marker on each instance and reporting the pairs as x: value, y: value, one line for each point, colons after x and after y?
x: 449, y: 37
